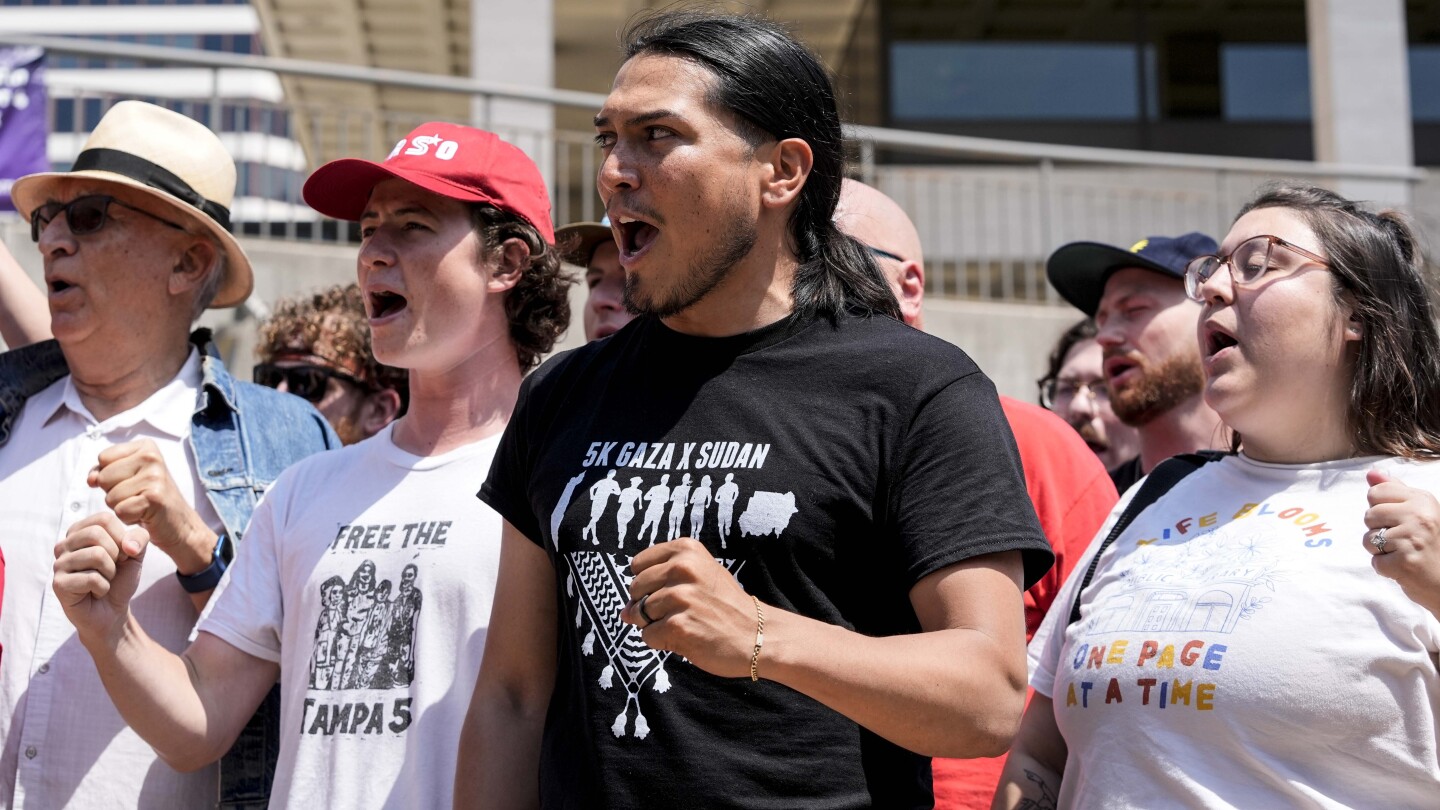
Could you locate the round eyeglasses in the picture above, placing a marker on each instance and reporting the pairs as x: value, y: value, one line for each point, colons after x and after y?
x: 1251, y: 259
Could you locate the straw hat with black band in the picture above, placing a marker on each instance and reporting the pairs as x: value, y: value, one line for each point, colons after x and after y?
x: 176, y: 161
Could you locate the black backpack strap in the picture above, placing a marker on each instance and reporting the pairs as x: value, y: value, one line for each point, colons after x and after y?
x: 1161, y: 480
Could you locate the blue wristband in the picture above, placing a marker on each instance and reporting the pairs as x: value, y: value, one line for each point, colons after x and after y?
x: 207, y: 579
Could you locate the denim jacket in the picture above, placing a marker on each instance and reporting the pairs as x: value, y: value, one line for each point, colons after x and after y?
x: 243, y: 435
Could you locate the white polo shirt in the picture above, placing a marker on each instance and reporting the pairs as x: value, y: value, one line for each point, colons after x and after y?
x: 65, y: 745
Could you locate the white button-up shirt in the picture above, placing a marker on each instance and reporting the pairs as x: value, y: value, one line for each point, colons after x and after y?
x: 65, y: 745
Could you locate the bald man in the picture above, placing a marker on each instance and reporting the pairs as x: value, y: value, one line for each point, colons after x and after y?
x: 1069, y: 486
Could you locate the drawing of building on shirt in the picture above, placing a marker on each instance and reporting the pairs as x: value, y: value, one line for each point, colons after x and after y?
x: 1207, y: 584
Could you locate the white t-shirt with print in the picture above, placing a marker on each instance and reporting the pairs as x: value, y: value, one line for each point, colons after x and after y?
x: 367, y: 574
x: 1236, y: 649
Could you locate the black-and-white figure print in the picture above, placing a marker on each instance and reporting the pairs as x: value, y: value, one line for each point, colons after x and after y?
x: 600, y: 494
x: 365, y: 635
x: 679, y: 500
x: 657, y: 496
x: 629, y: 500
x: 725, y: 498
x: 699, y: 502
x: 599, y: 580
x: 766, y: 513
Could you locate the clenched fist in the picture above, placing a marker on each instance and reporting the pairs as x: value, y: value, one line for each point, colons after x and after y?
x: 138, y: 487
x: 692, y: 606
x: 97, y: 570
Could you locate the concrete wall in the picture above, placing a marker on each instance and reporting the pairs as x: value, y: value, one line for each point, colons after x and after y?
x: 1010, y: 342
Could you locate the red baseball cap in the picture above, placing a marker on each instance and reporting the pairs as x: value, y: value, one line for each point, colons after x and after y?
x: 462, y: 163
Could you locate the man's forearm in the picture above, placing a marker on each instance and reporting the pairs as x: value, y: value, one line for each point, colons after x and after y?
x: 154, y: 691
x: 24, y: 311
x: 948, y: 693
x: 498, y: 766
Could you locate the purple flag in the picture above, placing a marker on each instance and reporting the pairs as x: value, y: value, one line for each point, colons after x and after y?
x: 22, y: 117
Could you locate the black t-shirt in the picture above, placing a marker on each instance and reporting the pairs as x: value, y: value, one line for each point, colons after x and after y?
x: 1126, y: 474
x: 828, y: 466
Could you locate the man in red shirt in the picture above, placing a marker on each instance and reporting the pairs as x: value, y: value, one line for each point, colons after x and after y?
x: 1069, y: 486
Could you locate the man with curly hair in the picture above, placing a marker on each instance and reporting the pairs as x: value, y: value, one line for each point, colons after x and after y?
x: 462, y: 287
x: 318, y: 347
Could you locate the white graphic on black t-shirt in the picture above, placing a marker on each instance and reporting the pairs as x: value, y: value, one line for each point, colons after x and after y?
x: 725, y: 498
x: 600, y: 493
x: 767, y: 513
x: 604, y: 590
x: 365, y: 637
x: 559, y: 513
x: 679, y: 499
x: 657, y: 496
x: 599, y: 581
x: 629, y: 500
x: 699, y: 502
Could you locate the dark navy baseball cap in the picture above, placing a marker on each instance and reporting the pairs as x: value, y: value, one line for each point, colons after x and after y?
x: 1079, y: 270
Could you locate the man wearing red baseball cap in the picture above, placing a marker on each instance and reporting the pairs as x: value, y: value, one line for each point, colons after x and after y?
x: 366, y: 581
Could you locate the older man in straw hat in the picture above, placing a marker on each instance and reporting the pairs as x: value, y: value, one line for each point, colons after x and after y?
x: 126, y: 426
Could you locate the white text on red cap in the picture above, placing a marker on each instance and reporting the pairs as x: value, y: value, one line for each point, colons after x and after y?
x: 445, y: 150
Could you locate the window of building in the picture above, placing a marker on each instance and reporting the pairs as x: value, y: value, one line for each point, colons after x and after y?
x: 1017, y: 81
x: 1425, y: 83
x: 1265, y: 82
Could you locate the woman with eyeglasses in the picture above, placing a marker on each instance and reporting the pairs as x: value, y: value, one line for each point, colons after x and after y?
x: 1265, y: 633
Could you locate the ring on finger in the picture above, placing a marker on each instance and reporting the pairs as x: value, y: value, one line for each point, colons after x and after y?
x: 646, y: 616
x: 1378, y: 541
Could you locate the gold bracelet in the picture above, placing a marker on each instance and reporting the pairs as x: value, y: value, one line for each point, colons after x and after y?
x: 759, y: 639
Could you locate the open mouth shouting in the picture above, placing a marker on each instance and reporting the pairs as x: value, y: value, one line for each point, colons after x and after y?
x: 56, y: 287
x: 634, y: 236
x: 1119, y: 369
x: 1216, y: 341
x: 384, y: 304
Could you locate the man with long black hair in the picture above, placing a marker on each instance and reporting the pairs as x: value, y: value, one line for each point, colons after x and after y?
x: 865, y: 609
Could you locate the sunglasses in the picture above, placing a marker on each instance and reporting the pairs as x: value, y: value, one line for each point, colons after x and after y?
x: 306, y: 381
x: 84, y: 215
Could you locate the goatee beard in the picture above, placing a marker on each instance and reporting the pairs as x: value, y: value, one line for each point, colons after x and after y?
x: 703, y: 275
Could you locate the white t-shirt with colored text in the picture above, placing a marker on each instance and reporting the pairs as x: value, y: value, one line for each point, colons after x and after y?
x: 1236, y: 649
x: 368, y: 574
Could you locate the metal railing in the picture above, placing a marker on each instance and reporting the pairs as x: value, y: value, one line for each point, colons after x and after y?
x: 988, y: 211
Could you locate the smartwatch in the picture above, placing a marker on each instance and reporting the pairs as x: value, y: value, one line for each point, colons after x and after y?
x: 207, y: 578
